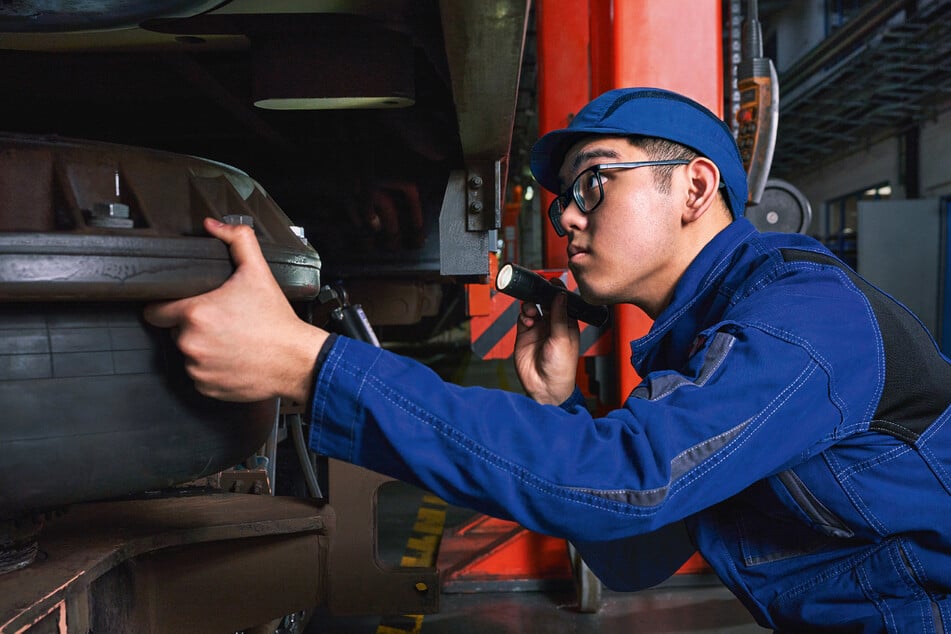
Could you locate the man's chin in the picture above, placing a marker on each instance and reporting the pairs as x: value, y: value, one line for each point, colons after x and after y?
x: 591, y: 295
x: 588, y: 294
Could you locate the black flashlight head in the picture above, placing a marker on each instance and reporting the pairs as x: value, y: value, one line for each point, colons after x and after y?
x: 529, y: 286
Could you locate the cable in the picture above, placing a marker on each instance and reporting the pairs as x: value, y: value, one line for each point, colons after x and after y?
x: 303, y: 455
x: 270, y: 448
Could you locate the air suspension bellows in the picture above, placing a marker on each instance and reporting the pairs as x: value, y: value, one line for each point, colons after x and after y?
x: 96, y: 403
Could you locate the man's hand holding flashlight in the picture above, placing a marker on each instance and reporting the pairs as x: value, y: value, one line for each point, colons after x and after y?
x: 546, y: 351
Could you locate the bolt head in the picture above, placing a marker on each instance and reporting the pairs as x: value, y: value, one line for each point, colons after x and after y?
x: 110, y: 210
x: 238, y: 219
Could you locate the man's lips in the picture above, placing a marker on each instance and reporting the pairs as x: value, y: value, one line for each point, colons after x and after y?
x: 574, y: 250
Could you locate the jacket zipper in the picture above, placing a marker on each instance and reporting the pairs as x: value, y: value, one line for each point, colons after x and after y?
x: 935, y: 609
x: 813, y: 508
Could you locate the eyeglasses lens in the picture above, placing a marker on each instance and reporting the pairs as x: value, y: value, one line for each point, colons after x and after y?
x: 554, y: 214
x: 586, y: 192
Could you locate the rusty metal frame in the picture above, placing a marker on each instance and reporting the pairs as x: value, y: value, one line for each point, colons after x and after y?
x: 358, y: 580
x: 160, y: 565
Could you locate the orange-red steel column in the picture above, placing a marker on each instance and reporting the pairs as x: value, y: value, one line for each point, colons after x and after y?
x: 564, y: 87
x: 673, y: 44
x: 586, y: 47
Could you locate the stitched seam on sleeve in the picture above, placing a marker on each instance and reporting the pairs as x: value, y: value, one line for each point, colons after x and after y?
x: 480, y: 453
x: 755, y: 423
x: 706, y: 371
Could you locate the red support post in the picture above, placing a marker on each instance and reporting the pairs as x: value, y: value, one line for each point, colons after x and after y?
x: 586, y: 47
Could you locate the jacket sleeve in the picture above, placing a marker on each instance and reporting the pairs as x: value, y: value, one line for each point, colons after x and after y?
x: 640, y: 561
x: 746, y: 405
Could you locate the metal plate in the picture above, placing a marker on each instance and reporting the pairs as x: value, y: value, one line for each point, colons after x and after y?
x: 30, y: 16
x: 61, y: 267
x: 89, y: 221
x: 782, y: 209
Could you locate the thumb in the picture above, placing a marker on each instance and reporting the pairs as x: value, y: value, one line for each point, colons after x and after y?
x: 241, y: 241
x: 165, y: 314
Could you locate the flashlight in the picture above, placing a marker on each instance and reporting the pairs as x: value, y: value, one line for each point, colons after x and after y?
x: 529, y: 286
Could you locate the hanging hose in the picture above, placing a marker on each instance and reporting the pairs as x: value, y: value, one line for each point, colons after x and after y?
x: 270, y: 448
x: 297, y: 433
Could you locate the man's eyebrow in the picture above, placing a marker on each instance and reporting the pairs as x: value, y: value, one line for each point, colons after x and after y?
x: 582, y: 157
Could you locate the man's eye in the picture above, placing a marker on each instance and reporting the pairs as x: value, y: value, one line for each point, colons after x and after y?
x: 589, y: 180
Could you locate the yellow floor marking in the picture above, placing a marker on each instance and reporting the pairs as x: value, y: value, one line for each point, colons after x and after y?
x: 421, y: 549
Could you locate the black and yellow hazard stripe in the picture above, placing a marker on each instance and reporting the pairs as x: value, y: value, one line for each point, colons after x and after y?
x: 421, y: 551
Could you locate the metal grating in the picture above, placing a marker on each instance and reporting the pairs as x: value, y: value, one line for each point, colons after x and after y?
x: 896, y: 77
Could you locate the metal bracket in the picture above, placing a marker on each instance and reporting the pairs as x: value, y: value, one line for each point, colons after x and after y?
x: 462, y: 251
x: 484, y: 195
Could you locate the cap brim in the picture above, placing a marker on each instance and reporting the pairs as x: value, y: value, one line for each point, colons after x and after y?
x: 549, y: 152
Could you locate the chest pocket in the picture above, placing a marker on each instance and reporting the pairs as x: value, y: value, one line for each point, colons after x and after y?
x: 771, y: 529
x: 813, y: 510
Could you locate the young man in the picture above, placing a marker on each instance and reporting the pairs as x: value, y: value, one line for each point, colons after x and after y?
x: 792, y: 419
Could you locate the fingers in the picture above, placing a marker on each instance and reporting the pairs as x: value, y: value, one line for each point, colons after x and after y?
x: 245, y: 251
x: 555, y: 315
x: 165, y: 314
x: 527, y: 314
x: 241, y: 241
x: 561, y: 324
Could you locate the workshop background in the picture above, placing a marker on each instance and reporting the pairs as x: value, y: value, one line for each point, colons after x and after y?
x: 379, y: 148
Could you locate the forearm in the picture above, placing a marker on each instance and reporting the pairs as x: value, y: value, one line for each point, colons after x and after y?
x: 556, y: 469
x: 490, y: 450
x: 301, y: 358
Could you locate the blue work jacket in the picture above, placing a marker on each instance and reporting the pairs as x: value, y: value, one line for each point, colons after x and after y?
x: 791, y: 416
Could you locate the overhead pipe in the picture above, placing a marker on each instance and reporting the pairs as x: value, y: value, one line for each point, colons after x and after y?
x: 856, y: 30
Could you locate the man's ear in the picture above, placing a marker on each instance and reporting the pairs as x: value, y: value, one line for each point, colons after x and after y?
x: 703, y: 179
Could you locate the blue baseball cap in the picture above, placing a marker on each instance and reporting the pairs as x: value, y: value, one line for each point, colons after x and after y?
x: 651, y: 112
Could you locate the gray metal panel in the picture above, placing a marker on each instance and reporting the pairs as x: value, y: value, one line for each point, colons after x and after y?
x: 899, y: 248
x: 461, y: 252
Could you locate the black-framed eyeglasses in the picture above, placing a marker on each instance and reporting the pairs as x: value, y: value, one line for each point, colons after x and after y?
x: 587, y: 190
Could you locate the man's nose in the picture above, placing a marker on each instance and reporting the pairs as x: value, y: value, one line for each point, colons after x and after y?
x: 572, y: 217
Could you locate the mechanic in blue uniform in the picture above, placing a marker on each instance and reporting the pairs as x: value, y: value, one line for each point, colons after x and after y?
x: 792, y: 423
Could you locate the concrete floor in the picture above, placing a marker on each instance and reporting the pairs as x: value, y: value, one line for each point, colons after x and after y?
x: 663, y: 610
x: 672, y: 607
x: 659, y: 610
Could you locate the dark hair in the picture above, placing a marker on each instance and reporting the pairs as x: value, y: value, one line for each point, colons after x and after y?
x: 662, y: 150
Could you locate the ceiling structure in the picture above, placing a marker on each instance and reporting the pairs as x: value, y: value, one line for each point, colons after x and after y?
x: 185, y: 85
x: 368, y: 184
x: 885, y: 71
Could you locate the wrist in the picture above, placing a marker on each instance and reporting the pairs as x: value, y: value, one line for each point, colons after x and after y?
x: 575, y: 400
x: 301, y: 364
x: 552, y: 397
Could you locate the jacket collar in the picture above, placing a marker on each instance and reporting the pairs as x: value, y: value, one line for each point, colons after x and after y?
x: 700, y: 279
